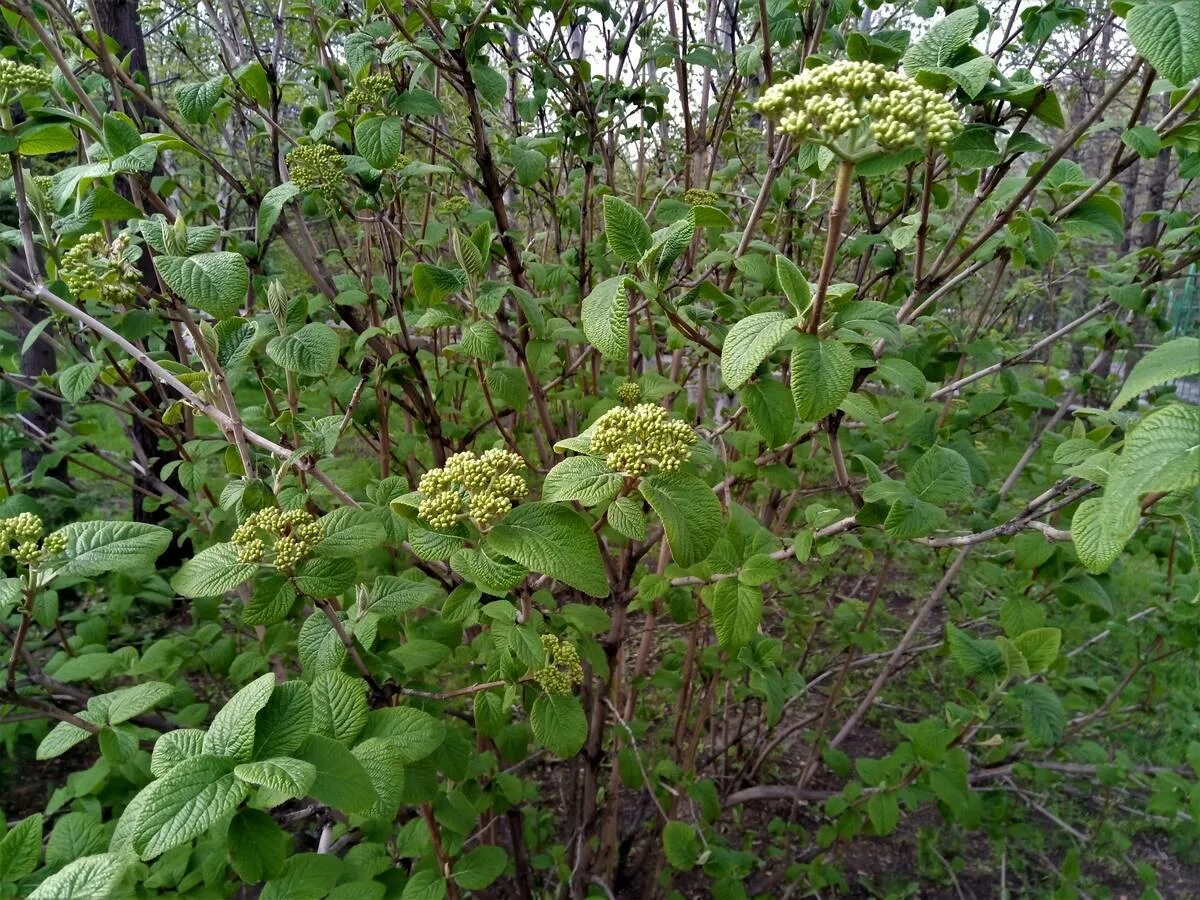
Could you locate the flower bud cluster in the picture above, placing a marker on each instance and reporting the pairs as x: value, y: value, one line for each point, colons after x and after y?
x: 452, y: 207
x: 96, y: 267
x: 316, y: 167
x: 16, y: 77
x: 699, y: 197
x: 25, y: 531
x: 634, y: 439
x: 486, y: 485
x: 859, y: 101
x: 369, y: 91
x: 292, y: 535
x: 563, y: 670
x: 629, y: 393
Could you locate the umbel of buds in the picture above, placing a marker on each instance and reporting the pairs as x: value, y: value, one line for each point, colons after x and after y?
x: 699, y: 197
x: 292, y: 535
x: 16, y: 77
x: 629, y: 393
x: 452, y: 207
x: 563, y: 669
x: 858, y: 109
x: 25, y: 531
x: 96, y: 268
x: 634, y: 439
x: 369, y: 90
x: 316, y: 167
x: 485, y: 486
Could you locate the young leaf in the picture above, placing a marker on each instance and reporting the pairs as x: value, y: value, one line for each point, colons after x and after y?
x: 231, y: 733
x: 272, y: 205
x: 94, y: 548
x: 75, y: 381
x: 690, y: 513
x: 555, y: 540
x: 1168, y: 35
x: 1039, y: 646
x: 480, y: 867
x: 822, y: 375
x: 85, y: 878
x: 681, y: 845
x: 311, y: 350
x: 341, y: 781
x: 559, y: 724
x: 213, y: 282
x: 1174, y: 359
x: 21, y: 848
x: 751, y: 341
x: 940, y: 476
x: 628, y: 234
x: 184, y: 803
x: 291, y: 778
x: 737, y: 612
x: 339, y: 705
x: 213, y: 571
x: 196, y: 100
x: 1042, y: 713
x: 583, y: 478
x: 605, y: 318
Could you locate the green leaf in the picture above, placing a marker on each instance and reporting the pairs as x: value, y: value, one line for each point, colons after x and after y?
x: 283, y: 724
x: 975, y: 657
x: 737, y: 612
x: 291, y: 778
x: 75, y: 834
x: 480, y: 341
x: 940, y: 476
x: 43, y: 139
x: 559, y: 724
x: 628, y: 234
x: 258, y: 847
x: 625, y: 516
x: 231, y: 733
x: 605, y: 318
x: 339, y: 705
x: 235, y: 341
x: 583, y: 478
x: 1097, y: 543
x: 341, y: 781
x: 311, y: 350
x: 426, y: 884
x: 348, y: 533
x: 271, y: 207
x: 378, y: 138
x: 690, y: 513
x: 1039, y: 646
x: 184, y: 803
x: 480, y: 867
x: 751, y: 341
x: 173, y: 747
x: 1174, y: 359
x: 795, y: 285
x: 942, y: 42
x: 1042, y: 713
x: 85, y: 879
x: 681, y: 845
x: 822, y: 375
x: 325, y: 577
x: 555, y: 540
x: 528, y: 164
x: 133, y: 701
x: 75, y: 381
x: 213, y: 282
x: 1168, y: 35
x: 771, y: 410
x: 21, y: 848
x: 414, y: 732
x: 418, y: 102
x: 197, y: 100
x: 94, y: 548
x: 1143, y: 140
x: 433, y: 283
x: 884, y: 812
x: 213, y: 571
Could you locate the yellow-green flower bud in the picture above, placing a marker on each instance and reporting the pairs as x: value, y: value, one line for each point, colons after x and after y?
x: 318, y: 168
x: 563, y: 669
x: 633, y: 440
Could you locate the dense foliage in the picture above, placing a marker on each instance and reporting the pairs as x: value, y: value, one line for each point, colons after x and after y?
x: 533, y: 450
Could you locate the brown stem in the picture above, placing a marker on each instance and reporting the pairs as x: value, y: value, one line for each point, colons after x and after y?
x: 837, y: 217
